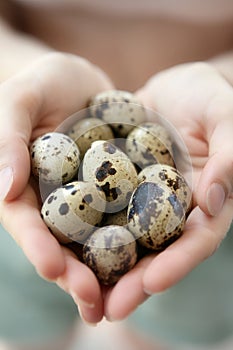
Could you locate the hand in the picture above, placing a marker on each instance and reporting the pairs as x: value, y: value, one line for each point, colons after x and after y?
x: 32, y: 103
x: 197, y: 100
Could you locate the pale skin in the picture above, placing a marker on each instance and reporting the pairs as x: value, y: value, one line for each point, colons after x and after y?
x: 41, y: 87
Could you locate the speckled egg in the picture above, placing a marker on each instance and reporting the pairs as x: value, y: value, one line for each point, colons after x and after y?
x: 120, y: 109
x: 76, y: 248
x: 111, y: 170
x: 119, y: 218
x: 155, y: 215
x: 88, y: 130
x: 72, y: 211
x: 148, y: 144
x: 172, y: 178
x: 110, y: 252
x: 54, y: 158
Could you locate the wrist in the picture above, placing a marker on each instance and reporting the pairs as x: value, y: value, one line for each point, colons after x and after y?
x: 18, y: 50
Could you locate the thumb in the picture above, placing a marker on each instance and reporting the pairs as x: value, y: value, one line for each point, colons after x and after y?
x: 216, y: 181
x: 15, y: 131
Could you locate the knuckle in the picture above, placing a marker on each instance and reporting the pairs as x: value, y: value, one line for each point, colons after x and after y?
x: 202, y: 67
x: 59, y: 60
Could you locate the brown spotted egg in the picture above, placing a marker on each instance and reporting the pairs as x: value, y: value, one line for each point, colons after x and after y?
x: 155, y: 215
x: 72, y: 211
x: 110, y: 169
x: 54, y: 158
x: 172, y: 178
x: 110, y: 252
x: 88, y: 130
x: 119, y: 218
x: 120, y: 109
x: 149, y: 143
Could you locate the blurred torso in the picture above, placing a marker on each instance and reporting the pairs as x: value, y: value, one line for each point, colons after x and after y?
x: 132, y: 40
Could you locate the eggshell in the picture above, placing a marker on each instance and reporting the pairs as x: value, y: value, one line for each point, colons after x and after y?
x: 73, y: 211
x: 120, y: 109
x: 119, y: 218
x: 88, y: 130
x: 110, y: 252
x: 172, y: 178
x: 111, y: 170
x: 54, y: 158
x: 148, y: 144
x: 155, y: 215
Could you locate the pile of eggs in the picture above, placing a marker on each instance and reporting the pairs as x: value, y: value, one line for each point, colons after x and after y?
x: 112, y: 187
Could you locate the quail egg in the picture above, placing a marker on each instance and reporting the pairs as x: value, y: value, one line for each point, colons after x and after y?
x: 111, y: 170
x: 88, y: 130
x: 119, y: 218
x: 110, y: 252
x: 155, y: 215
x: 54, y: 158
x: 72, y: 211
x: 120, y: 109
x: 149, y: 143
x: 172, y: 178
x: 76, y: 248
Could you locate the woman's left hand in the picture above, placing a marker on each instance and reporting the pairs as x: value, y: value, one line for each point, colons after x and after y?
x: 198, y: 101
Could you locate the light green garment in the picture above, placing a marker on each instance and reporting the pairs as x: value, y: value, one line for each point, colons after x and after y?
x: 31, y: 309
x: 197, y: 310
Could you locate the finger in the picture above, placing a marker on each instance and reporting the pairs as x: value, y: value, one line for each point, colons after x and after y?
x: 201, y: 238
x: 29, y: 231
x: 47, y: 92
x: 80, y: 282
x: 216, y: 181
x: 72, y: 80
x: 15, y: 130
x: 128, y: 293
x: 46, y: 254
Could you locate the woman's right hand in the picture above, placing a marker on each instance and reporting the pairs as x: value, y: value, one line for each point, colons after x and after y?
x: 32, y: 103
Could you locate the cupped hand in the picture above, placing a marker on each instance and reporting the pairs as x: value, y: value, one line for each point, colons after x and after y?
x: 198, y: 102
x: 32, y: 103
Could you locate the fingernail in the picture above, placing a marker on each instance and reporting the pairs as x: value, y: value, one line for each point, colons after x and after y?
x: 6, y: 180
x: 82, y: 303
x: 83, y: 319
x: 148, y: 292
x: 215, y: 199
x: 109, y: 318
